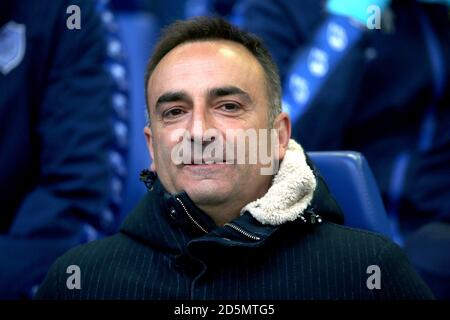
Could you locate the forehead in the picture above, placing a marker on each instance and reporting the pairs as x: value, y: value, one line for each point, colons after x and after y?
x: 207, y: 64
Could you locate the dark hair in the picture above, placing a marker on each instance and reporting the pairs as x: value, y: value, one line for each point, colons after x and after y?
x: 206, y: 28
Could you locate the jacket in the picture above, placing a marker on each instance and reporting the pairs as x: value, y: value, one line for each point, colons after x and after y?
x: 289, y: 244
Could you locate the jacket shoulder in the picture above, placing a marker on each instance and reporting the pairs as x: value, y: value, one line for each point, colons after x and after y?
x: 85, y: 265
x: 372, y: 254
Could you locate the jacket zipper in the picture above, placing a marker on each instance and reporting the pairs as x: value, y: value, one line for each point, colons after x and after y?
x: 241, y: 231
x: 231, y: 225
x: 190, y: 217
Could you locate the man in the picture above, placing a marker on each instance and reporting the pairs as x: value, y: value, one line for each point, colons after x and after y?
x: 219, y: 227
x: 58, y: 187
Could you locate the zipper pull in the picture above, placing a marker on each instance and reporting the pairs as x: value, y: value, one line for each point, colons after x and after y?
x: 148, y: 178
x: 313, y: 217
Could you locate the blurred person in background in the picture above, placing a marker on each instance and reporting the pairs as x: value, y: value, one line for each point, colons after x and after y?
x: 373, y: 76
x: 63, y: 117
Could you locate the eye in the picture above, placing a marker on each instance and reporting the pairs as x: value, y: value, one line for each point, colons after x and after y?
x: 173, y: 113
x: 230, y: 107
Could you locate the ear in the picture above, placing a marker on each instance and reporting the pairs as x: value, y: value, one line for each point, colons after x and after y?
x: 149, y: 139
x: 282, y: 124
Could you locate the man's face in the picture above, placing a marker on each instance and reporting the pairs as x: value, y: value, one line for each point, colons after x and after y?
x: 199, y: 86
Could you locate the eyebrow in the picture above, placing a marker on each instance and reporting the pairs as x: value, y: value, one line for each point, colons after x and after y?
x: 172, y: 96
x: 228, y: 91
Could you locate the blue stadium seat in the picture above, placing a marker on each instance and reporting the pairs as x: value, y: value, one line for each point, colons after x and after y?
x: 351, y: 181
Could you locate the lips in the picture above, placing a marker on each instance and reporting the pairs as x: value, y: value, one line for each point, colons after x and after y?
x: 205, y: 162
x: 205, y: 169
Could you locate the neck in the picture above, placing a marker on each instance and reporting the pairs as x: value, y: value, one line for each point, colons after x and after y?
x: 226, y: 211
x: 221, y: 214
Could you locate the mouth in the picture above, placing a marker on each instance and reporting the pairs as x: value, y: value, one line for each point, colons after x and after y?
x: 206, y: 165
x: 204, y: 162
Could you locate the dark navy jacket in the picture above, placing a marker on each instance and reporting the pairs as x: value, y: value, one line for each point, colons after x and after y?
x: 56, y: 123
x: 168, y: 248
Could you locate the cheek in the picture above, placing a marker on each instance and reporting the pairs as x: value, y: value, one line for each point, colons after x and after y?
x: 164, y: 143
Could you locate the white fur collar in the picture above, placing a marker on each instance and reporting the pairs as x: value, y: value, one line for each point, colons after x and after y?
x: 291, y: 191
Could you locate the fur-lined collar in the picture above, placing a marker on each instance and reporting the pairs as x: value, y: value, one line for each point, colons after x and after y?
x: 291, y: 191
x: 297, y: 193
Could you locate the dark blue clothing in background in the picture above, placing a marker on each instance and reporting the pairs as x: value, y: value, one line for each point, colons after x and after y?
x: 375, y: 102
x: 56, y: 121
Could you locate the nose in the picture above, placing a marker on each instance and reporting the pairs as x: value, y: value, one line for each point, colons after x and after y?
x: 201, y: 125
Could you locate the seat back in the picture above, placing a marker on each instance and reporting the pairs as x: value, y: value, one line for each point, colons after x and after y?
x: 353, y: 185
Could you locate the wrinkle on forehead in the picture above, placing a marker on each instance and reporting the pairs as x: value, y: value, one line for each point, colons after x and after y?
x: 208, y: 49
x: 205, y: 61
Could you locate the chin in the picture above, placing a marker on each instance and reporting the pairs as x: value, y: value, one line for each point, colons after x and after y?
x: 206, y: 192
